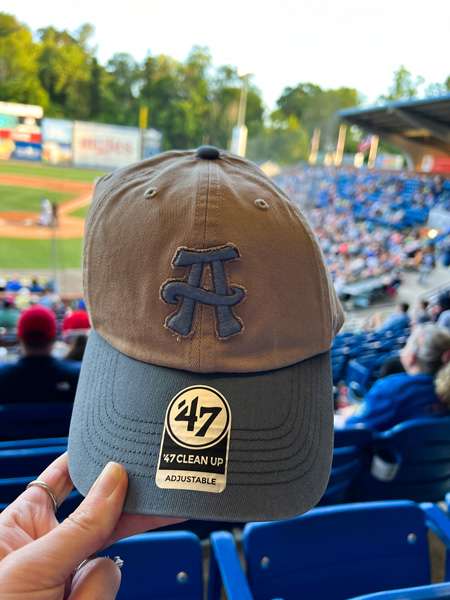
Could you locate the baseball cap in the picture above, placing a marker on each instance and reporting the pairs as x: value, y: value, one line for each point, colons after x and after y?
x: 36, y: 325
x: 76, y: 321
x: 207, y: 372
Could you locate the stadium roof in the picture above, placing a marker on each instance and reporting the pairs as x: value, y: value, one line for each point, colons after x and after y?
x: 417, y: 127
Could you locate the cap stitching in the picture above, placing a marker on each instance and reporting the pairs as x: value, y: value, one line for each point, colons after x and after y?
x: 267, y: 461
x: 147, y: 476
x: 313, y: 462
x: 313, y: 410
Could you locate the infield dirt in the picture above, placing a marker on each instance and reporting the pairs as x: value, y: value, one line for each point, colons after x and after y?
x: 22, y: 224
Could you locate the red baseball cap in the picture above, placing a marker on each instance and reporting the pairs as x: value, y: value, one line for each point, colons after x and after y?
x: 37, y: 325
x: 79, y: 319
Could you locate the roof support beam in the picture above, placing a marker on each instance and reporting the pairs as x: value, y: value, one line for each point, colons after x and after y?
x: 438, y: 130
x: 414, y: 150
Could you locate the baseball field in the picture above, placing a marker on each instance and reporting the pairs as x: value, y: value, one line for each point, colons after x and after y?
x: 25, y: 244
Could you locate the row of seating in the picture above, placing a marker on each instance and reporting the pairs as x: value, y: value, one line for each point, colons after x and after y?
x: 368, y: 551
x: 411, y: 460
x: 356, y: 359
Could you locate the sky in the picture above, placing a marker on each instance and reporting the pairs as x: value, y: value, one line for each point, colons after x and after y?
x: 331, y: 43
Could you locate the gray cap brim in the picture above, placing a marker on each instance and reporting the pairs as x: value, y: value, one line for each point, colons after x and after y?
x: 280, y: 446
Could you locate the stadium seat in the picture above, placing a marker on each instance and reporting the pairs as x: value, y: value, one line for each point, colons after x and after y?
x: 20, y: 462
x: 160, y: 566
x: 19, y: 466
x: 435, y: 591
x: 411, y: 460
x: 28, y: 421
x: 349, y: 455
x: 36, y: 443
x: 330, y: 553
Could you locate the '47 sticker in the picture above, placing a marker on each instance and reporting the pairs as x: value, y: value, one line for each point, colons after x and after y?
x: 194, y: 445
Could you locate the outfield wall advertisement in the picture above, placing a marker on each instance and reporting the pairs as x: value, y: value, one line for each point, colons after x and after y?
x: 25, y: 135
x: 20, y: 131
x: 109, y: 146
x: 57, y: 141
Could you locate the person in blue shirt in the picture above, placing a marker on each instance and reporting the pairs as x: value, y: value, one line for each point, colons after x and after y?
x: 38, y: 376
x: 398, y: 319
x: 422, y: 391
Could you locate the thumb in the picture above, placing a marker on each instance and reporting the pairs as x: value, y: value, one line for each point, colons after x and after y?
x: 59, y: 552
x: 99, y: 578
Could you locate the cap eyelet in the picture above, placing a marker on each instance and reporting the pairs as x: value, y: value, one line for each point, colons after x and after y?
x: 151, y: 193
x: 261, y: 204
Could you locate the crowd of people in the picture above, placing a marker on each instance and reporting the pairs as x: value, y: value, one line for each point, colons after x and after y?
x: 371, y: 224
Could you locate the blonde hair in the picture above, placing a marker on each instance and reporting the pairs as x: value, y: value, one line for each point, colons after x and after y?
x: 430, y: 344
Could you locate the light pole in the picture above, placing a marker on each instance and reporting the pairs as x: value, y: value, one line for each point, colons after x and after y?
x: 239, y: 137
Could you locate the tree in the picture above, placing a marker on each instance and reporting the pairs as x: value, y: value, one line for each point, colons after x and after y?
x: 65, y: 64
x: 225, y: 97
x: 119, y: 88
x: 285, y: 144
x: 314, y: 108
x: 403, y: 86
x: 438, y: 89
x: 19, y: 81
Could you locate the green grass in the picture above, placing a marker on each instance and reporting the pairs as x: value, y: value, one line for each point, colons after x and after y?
x: 28, y: 199
x: 80, y: 212
x: 37, y: 254
x: 68, y: 173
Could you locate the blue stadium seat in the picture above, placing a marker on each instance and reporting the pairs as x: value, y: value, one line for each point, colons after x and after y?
x: 349, y: 456
x: 21, y: 421
x: 411, y: 460
x: 434, y: 591
x: 20, y: 462
x: 19, y: 466
x: 330, y: 553
x: 37, y: 443
x: 160, y: 566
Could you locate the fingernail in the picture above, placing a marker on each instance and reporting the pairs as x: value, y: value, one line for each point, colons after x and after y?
x: 108, y: 480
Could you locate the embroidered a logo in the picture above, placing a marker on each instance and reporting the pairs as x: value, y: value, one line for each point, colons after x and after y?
x: 189, y: 292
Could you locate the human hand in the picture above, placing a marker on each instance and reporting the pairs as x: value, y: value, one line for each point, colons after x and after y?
x: 39, y: 556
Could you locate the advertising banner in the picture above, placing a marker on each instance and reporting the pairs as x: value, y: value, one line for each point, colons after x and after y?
x: 105, y: 146
x: 56, y: 141
x: 20, y: 131
x: 436, y: 164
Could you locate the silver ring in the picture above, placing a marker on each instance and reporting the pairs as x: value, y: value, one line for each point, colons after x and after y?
x: 48, y: 489
x: 117, y: 560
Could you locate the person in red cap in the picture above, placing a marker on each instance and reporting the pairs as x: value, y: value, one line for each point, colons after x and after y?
x: 38, y: 376
x: 76, y: 322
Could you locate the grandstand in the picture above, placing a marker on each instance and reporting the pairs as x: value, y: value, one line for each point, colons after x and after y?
x: 419, y: 128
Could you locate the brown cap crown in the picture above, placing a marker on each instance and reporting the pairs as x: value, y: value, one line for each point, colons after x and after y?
x: 203, y: 264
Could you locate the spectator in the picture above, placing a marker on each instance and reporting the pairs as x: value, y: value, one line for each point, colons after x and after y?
x: 9, y: 315
x: 427, y: 264
x: 422, y: 315
x: 38, y: 376
x: 397, y: 320
x: 440, y: 311
x: 48, y: 297
x: 13, y: 285
x: 391, y: 366
x: 77, y: 346
x: 76, y: 322
x: 423, y: 391
x: 35, y: 287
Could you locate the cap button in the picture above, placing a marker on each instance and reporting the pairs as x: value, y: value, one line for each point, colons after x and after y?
x: 208, y: 152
